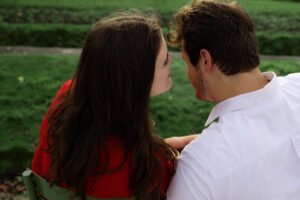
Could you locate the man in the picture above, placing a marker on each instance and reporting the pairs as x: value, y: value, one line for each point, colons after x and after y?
x: 250, y: 149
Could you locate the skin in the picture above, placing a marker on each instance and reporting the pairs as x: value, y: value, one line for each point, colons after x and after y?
x: 180, y: 142
x: 211, y: 84
x: 162, y: 80
x: 195, y: 75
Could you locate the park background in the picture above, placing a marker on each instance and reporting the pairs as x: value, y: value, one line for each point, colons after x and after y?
x: 29, y: 80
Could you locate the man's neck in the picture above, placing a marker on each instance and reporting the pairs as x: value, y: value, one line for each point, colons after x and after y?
x: 234, y: 85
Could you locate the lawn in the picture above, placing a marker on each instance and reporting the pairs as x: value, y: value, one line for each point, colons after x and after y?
x: 29, y: 82
x: 163, y: 5
x: 253, y: 6
x: 268, y: 14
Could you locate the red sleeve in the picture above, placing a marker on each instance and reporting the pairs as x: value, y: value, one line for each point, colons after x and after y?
x: 56, y: 100
x: 41, y: 159
x: 168, y: 172
x: 58, y: 97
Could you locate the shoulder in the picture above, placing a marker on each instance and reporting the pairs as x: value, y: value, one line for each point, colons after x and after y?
x: 290, y: 80
x: 201, y: 164
x: 168, y: 170
x: 214, y: 150
x: 60, y: 93
x: 65, y: 86
x: 215, y: 155
x: 294, y: 76
x: 290, y: 87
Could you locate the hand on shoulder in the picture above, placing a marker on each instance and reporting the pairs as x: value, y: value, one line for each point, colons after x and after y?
x: 179, y: 142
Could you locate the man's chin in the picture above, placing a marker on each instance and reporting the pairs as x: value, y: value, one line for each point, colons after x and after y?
x: 200, y: 97
x: 203, y: 98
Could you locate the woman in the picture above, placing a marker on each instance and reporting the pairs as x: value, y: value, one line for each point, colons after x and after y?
x: 96, y: 138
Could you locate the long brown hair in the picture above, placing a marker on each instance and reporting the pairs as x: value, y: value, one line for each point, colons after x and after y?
x: 110, y: 95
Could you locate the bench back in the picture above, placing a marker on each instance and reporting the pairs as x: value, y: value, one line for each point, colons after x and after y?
x: 39, y: 189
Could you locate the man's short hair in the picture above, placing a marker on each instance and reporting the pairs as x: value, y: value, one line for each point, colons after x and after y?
x: 222, y: 28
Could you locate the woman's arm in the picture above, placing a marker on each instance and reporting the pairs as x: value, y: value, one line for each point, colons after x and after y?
x: 180, y: 142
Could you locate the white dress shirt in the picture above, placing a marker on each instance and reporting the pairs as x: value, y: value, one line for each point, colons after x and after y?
x: 250, y: 150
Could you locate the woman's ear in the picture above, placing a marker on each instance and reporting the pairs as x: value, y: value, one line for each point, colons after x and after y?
x: 206, y: 60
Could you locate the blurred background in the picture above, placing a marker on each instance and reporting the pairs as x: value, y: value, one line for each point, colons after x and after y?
x: 40, y: 43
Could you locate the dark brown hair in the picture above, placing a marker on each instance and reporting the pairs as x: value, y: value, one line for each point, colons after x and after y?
x: 110, y: 95
x: 222, y: 28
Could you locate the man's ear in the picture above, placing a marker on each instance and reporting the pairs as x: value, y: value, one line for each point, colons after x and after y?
x: 206, y: 60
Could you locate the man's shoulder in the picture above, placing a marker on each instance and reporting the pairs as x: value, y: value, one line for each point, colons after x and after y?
x: 294, y: 75
x: 197, y: 166
x: 214, y: 152
x: 290, y: 86
x: 290, y: 79
x: 226, y: 146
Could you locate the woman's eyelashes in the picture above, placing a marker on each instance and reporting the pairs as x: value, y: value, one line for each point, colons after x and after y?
x: 167, y: 59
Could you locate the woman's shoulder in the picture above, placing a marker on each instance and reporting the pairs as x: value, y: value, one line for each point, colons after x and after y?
x: 65, y: 86
x: 59, y: 94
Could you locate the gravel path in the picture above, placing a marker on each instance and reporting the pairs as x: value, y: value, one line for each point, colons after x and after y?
x: 77, y: 51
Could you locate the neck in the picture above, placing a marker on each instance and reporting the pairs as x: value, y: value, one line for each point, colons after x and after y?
x: 240, y: 83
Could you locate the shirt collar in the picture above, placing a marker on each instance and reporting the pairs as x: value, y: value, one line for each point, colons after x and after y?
x: 245, y: 100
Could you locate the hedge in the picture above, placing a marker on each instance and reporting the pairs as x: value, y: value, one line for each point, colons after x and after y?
x: 47, y: 35
x: 60, y: 15
x: 279, y: 43
x: 264, y: 21
x: 66, y: 35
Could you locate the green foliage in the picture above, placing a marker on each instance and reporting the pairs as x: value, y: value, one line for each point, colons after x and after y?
x: 163, y: 5
x: 28, y: 84
x: 255, y: 7
x: 64, y: 24
x: 61, y: 35
x: 15, y: 159
x: 264, y: 20
x: 277, y: 21
x: 279, y: 43
x: 67, y: 35
x: 52, y: 23
x: 281, y: 67
x: 52, y: 15
x: 59, y: 15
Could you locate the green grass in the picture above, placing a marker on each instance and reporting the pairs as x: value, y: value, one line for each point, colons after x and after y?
x: 268, y: 14
x: 163, y: 5
x: 271, y: 6
x: 253, y: 6
x: 23, y: 102
x: 29, y: 82
x: 65, y: 22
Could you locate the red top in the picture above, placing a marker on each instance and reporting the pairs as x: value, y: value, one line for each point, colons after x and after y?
x: 114, y: 185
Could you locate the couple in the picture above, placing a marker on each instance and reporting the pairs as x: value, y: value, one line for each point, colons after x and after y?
x: 97, y: 140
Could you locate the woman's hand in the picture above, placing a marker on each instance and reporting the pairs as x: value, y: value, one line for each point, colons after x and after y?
x: 181, y: 141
